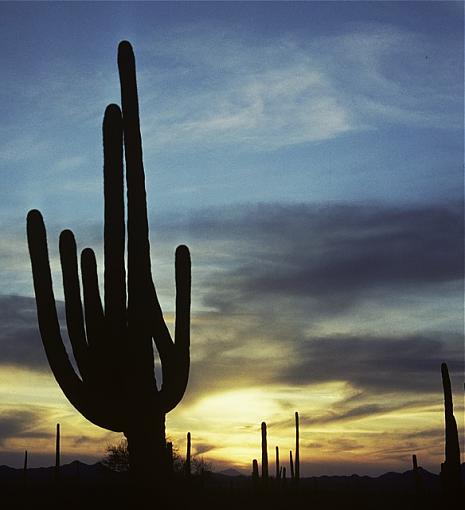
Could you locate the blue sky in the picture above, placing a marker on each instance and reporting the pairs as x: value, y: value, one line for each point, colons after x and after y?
x: 310, y: 154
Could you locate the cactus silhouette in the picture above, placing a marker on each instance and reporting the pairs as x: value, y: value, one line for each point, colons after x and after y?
x: 112, y: 342
x: 188, y: 455
x: 57, y: 453
x: 291, y: 464
x: 169, y: 448
x: 255, y: 475
x: 264, y: 453
x: 297, y: 455
x: 450, y: 468
x: 25, y: 467
x: 416, y: 478
x: 278, y: 473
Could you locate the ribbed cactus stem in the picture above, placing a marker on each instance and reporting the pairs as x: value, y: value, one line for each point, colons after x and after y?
x: 57, y: 453
x: 278, y: 472
x: 188, y: 455
x: 297, y: 455
x: 264, y: 452
x: 291, y: 465
x: 450, y: 468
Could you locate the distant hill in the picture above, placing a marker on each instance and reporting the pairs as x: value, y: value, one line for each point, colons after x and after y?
x: 230, y: 472
x: 81, y: 473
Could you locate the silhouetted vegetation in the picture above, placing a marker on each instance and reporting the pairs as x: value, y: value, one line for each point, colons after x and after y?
x: 450, y: 468
x: 112, y: 343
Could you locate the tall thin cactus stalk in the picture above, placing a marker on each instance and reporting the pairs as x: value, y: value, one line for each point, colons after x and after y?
x: 25, y: 467
x: 297, y: 454
x: 278, y: 473
x: 112, y: 341
x: 450, y: 468
x: 57, y: 453
x: 188, y: 455
x: 416, y: 474
x: 291, y: 464
x: 264, y: 453
x: 169, y: 448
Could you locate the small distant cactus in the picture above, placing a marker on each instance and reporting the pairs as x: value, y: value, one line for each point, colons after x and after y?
x: 188, y: 455
x: 57, y: 453
x: 297, y: 454
x: 278, y: 472
x: 25, y: 467
x: 264, y: 453
x: 255, y: 475
x: 416, y: 474
x: 450, y: 468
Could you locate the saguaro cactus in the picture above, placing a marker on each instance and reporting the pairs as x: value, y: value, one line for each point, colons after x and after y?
x: 278, y: 473
x: 169, y: 449
x: 450, y: 468
x: 25, y: 467
x: 188, y: 455
x: 255, y: 475
x: 264, y: 453
x: 112, y: 343
x: 291, y: 464
x: 57, y: 453
x: 297, y: 456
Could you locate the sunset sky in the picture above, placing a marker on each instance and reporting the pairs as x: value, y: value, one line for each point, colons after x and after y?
x: 311, y: 156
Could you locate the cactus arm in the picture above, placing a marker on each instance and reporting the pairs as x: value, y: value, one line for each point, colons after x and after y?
x: 139, y: 272
x: 176, y: 368
x: 72, y: 386
x: 139, y: 346
x: 73, y: 306
x: 114, y: 227
x: 183, y: 299
x: 49, y: 326
x: 99, y: 351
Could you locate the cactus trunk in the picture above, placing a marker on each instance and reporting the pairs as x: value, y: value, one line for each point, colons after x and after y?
x: 264, y: 453
x: 148, y: 458
x: 291, y: 464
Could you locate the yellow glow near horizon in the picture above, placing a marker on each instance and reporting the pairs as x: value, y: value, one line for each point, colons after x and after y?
x: 225, y: 426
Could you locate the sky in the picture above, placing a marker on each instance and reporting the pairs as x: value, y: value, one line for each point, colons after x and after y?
x: 310, y: 154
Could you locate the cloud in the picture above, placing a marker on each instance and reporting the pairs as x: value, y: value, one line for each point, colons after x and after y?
x: 328, y: 258
x: 377, y: 364
x: 21, y: 423
x: 20, y: 342
x: 298, y: 295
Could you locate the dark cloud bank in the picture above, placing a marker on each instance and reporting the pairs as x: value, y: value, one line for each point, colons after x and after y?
x: 278, y: 269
